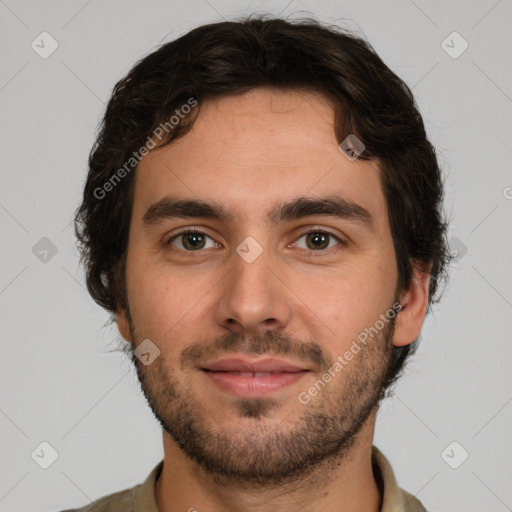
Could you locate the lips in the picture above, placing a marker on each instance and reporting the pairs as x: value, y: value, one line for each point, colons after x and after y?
x: 247, y: 378
x: 266, y: 366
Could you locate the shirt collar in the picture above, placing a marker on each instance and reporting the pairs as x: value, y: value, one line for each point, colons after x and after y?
x: 394, y: 498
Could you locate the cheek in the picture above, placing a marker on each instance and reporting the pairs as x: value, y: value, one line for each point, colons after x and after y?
x: 166, y: 308
x: 341, y: 306
x: 154, y: 302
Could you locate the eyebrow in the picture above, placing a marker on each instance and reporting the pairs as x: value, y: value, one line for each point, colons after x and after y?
x: 331, y: 206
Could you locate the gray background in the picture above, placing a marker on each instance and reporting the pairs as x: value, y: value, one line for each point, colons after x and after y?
x: 59, y: 384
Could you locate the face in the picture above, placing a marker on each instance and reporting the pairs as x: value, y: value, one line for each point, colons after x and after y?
x: 258, y: 255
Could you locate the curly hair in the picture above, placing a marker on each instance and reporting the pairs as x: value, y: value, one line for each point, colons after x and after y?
x: 230, y: 58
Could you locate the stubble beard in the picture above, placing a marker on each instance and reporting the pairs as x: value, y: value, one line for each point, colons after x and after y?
x: 266, y: 453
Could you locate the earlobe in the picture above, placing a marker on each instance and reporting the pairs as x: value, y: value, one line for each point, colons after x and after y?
x: 414, y: 303
x: 117, y: 281
x: 123, y: 323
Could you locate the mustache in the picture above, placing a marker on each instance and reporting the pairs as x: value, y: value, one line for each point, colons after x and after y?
x: 271, y: 343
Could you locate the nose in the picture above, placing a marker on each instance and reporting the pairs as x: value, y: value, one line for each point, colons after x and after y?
x: 253, y: 298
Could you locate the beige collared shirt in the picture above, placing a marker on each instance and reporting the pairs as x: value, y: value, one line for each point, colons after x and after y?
x: 141, y: 498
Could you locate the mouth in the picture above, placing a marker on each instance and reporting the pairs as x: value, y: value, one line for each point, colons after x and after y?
x: 246, y: 378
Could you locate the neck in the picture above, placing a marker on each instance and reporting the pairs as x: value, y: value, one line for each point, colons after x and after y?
x: 346, y: 484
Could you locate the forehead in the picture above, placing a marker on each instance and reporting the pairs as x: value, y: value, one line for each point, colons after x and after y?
x: 256, y: 150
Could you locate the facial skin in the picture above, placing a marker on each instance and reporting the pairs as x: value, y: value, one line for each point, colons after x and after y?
x: 304, y: 299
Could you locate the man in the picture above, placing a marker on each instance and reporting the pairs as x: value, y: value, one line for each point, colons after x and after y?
x: 262, y: 215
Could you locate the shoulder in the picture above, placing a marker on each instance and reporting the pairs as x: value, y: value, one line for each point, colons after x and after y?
x: 412, y: 503
x: 139, y: 498
x: 121, y: 501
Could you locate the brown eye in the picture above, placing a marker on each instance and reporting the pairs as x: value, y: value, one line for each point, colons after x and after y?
x: 190, y: 241
x: 193, y: 241
x: 318, y: 240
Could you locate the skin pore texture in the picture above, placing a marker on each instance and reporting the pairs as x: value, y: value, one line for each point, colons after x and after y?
x: 304, y: 300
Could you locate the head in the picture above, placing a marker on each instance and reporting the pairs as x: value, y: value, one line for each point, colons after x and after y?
x: 220, y: 216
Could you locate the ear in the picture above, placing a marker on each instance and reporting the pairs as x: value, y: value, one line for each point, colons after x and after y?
x: 115, y: 278
x: 414, y: 301
x: 123, y: 323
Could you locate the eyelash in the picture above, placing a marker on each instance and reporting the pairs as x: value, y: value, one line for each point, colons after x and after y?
x: 185, y: 253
